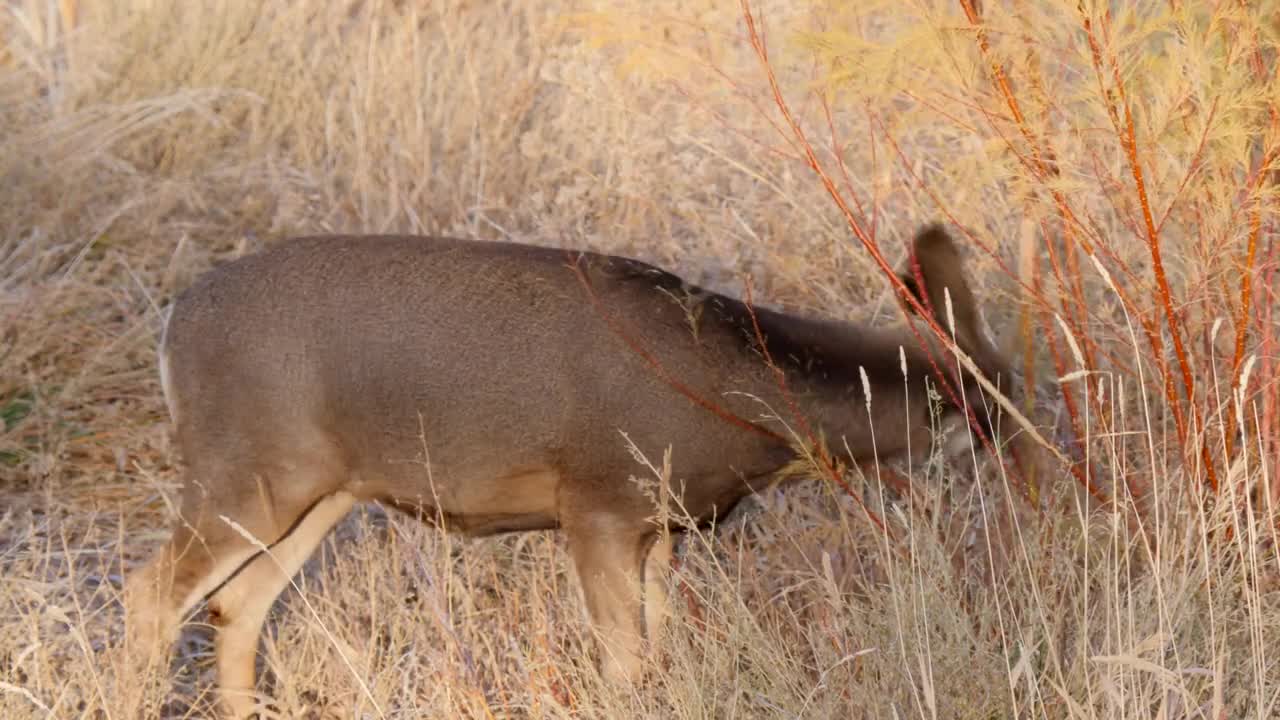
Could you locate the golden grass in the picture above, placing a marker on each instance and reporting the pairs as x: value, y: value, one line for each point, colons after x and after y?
x: 141, y: 142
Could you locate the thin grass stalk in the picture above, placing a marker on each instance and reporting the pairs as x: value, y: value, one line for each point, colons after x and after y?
x: 780, y: 377
x: 1269, y: 430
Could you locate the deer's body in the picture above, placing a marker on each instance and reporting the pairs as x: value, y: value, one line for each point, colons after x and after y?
x: 487, y: 385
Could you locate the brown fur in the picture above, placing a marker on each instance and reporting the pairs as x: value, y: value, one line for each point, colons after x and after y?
x: 484, y: 385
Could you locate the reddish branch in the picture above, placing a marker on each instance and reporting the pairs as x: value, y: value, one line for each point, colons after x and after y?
x: 1242, y: 323
x: 868, y: 243
x: 828, y: 465
x: 1127, y: 134
x: 575, y: 264
x: 1042, y: 168
x: 1130, y: 141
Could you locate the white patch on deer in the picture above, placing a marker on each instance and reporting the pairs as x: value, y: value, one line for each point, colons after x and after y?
x: 166, y: 380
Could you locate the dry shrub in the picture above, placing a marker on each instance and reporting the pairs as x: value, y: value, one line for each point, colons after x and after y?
x: 141, y: 142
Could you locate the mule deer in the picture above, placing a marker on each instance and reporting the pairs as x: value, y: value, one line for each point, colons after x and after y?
x: 310, y: 377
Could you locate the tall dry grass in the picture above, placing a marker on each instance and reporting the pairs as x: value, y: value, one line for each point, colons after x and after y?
x: 1112, y: 168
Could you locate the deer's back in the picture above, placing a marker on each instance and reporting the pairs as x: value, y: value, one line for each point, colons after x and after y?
x: 490, y: 359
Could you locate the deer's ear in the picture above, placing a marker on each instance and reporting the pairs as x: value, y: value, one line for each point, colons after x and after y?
x: 943, y: 271
x: 933, y: 261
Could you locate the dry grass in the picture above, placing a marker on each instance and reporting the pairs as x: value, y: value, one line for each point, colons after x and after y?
x: 141, y: 142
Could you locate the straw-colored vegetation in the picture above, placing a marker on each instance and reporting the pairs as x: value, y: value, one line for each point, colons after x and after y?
x: 143, y: 141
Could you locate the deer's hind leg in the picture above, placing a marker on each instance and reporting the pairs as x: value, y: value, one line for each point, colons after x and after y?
x: 240, y: 607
